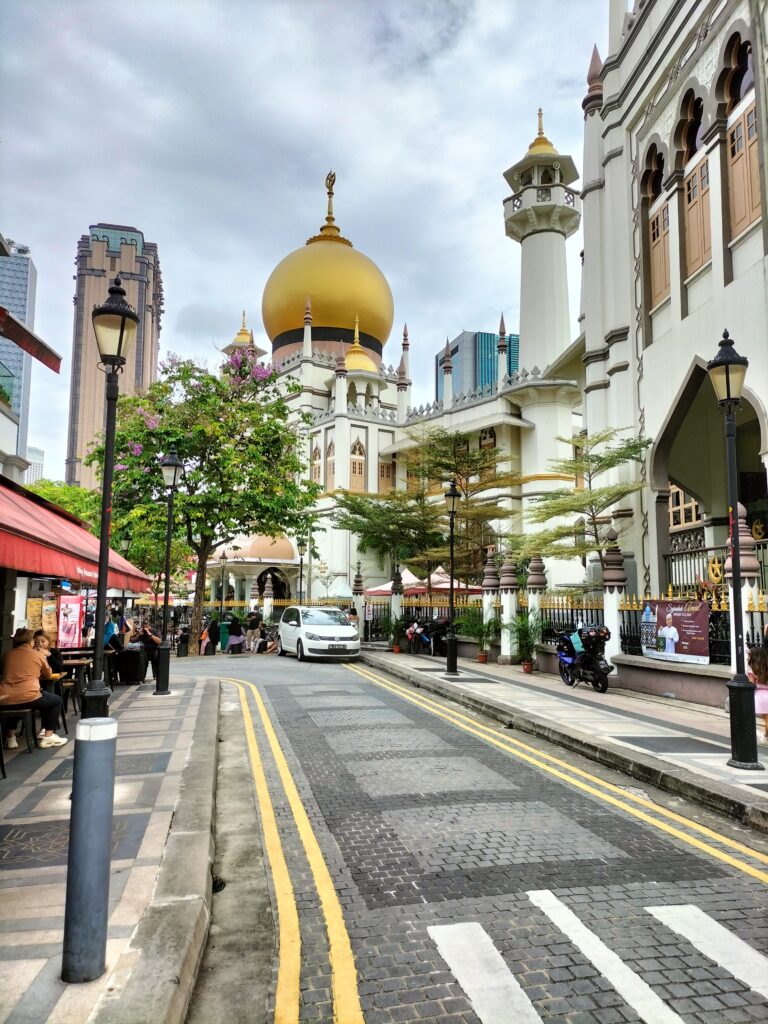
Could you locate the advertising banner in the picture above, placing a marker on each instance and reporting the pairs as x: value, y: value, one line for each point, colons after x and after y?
x: 34, y: 613
x: 70, y: 620
x: 676, y: 631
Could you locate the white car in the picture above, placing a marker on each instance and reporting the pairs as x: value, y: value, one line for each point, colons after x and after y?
x: 312, y: 632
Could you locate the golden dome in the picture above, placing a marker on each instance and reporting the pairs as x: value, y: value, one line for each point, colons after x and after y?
x: 340, y: 283
x: 257, y: 547
x: 357, y: 358
x: 541, y: 144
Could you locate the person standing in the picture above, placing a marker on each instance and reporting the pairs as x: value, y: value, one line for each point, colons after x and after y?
x: 23, y: 668
x: 214, y: 635
x: 252, y: 634
x: 149, y: 639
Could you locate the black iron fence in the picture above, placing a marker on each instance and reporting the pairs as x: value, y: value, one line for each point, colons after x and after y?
x: 757, y: 616
x: 378, y: 621
x: 560, y: 613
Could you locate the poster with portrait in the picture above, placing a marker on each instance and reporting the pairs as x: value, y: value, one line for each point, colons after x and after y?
x: 676, y: 631
x: 70, y: 620
x: 34, y: 613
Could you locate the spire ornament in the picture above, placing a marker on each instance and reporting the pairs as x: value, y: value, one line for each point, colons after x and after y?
x: 330, y: 232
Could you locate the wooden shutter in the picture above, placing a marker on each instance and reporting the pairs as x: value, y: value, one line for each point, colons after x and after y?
x: 658, y: 228
x: 738, y: 183
x: 706, y: 226
x: 753, y: 171
x: 698, y: 235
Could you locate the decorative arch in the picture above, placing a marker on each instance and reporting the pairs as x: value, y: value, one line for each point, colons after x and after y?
x: 330, y: 466
x: 655, y: 161
x: 655, y: 219
x: 736, y: 64
x: 357, y: 466
x: 316, y: 464
x: 693, y: 120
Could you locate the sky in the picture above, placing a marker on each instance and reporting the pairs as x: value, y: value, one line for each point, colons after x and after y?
x: 210, y: 126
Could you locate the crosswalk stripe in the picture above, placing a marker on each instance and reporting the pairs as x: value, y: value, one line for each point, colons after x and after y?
x: 479, y: 968
x: 717, y: 943
x: 630, y: 986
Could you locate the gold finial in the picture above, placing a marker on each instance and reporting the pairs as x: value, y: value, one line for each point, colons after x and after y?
x: 357, y: 330
x: 329, y: 232
x: 540, y: 132
x: 243, y: 319
x: 330, y: 181
x: 541, y: 145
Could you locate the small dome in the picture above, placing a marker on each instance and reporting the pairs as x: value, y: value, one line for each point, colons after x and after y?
x: 243, y: 336
x: 541, y: 144
x: 357, y: 360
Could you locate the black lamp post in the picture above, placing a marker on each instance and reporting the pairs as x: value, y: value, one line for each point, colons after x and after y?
x: 171, y: 469
x: 124, y: 545
x: 114, y: 324
x: 223, y: 564
x: 727, y: 372
x: 301, y: 547
x: 452, y: 495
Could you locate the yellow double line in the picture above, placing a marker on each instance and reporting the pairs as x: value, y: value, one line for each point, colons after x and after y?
x: 585, y: 781
x: 346, y: 999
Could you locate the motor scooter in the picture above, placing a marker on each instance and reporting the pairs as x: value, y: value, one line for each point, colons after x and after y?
x: 581, y: 657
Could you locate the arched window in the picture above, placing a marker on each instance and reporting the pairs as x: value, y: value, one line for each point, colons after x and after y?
x: 658, y: 226
x: 352, y: 394
x: 743, y: 167
x: 330, y: 467
x: 488, y: 438
x: 698, y: 234
x: 357, y: 467
x: 316, y: 464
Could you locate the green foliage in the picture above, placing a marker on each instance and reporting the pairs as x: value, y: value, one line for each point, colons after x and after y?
x: 78, y: 501
x: 471, y: 624
x: 400, y: 525
x: 439, y: 456
x: 589, y: 502
x: 5, y: 395
x: 397, y: 628
x: 243, y: 471
x: 526, y: 633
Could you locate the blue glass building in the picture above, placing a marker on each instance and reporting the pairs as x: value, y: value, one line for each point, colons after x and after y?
x: 18, y: 285
x: 474, y: 361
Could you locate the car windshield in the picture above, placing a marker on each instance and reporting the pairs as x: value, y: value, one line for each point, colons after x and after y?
x: 324, y: 617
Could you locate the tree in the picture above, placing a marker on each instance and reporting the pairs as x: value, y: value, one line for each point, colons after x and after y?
x: 400, y: 526
x: 324, y: 575
x: 582, y: 510
x: 243, y: 470
x: 439, y: 456
x: 84, y: 504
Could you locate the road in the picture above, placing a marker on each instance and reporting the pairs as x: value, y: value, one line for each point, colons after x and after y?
x: 424, y: 864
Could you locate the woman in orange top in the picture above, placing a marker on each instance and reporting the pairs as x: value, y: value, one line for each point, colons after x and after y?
x: 23, y: 668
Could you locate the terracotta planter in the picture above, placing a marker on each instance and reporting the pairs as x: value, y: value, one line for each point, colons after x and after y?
x: 483, y: 657
x: 527, y: 667
x: 395, y: 648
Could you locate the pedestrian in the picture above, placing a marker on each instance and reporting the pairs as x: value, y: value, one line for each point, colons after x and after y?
x: 758, y: 673
x: 236, y: 641
x: 252, y: 634
x: 150, y: 640
x: 353, y: 617
x: 23, y: 668
x: 214, y: 635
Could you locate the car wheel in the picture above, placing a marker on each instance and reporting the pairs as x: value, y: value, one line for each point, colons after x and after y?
x: 280, y: 648
x: 300, y: 651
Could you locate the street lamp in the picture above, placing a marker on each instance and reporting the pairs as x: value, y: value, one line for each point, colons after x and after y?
x: 114, y: 324
x: 452, y: 495
x: 171, y: 468
x: 727, y: 372
x: 223, y: 564
x: 124, y: 545
x: 301, y: 547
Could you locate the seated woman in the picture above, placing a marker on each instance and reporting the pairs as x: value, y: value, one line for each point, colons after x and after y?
x: 23, y: 668
x: 236, y: 640
x: 264, y: 645
x: 42, y: 642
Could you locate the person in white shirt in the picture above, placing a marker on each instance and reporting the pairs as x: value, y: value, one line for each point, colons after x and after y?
x: 670, y: 634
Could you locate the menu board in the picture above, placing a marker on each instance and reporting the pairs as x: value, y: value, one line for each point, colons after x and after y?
x: 50, y: 621
x: 676, y: 631
x: 34, y: 613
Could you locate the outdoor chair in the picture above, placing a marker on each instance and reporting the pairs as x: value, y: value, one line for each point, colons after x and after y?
x: 28, y: 721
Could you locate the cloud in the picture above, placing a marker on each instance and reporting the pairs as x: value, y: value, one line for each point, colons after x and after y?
x: 211, y: 125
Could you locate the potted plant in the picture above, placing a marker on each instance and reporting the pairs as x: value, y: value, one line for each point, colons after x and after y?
x: 397, y: 629
x: 526, y: 632
x: 471, y: 624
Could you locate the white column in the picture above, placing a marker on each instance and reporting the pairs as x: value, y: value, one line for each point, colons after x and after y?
x: 508, y: 594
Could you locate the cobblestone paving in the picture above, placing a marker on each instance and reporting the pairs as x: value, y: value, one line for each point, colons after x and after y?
x: 422, y: 824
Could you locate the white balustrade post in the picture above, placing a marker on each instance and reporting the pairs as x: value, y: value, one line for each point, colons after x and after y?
x: 508, y: 593
x: 750, y: 573
x: 490, y: 588
x: 537, y: 584
x: 614, y: 589
x: 358, y: 600
x: 396, y: 604
x: 268, y: 598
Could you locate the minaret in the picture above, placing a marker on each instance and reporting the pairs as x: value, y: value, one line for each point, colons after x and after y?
x: 403, y: 391
x: 406, y: 350
x: 447, y: 377
x: 540, y: 214
x: 501, y: 355
x: 306, y: 352
x: 340, y: 397
x: 341, y: 426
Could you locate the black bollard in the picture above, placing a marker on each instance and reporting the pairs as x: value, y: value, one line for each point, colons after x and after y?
x: 163, y: 669
x: 90, y: 849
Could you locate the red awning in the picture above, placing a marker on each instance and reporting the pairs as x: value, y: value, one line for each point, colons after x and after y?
x: 13, y: 329
x: 39, y: 538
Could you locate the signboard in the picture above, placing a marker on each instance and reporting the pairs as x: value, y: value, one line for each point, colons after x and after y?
x: 34, y: 613
x: 70, y: 620
x: 50, y: 622
x: 676, y: 631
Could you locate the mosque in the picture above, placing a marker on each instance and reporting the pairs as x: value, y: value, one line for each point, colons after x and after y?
x: 675, y: 251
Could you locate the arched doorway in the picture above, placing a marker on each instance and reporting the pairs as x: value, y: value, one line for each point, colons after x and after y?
x: 689, y: 453
x: 281, y: 588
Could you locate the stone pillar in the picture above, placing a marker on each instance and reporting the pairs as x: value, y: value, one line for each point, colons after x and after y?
x: 537, y: 583
x: 614, y: 588
x: 269, y: 595
x: 490, y: 587
x: 508, y: 592
x: 750, y: 574
x: 358, y: 599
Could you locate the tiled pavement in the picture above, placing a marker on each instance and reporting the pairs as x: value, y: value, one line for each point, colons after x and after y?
x: 154, y: 736
x: 426, y: 827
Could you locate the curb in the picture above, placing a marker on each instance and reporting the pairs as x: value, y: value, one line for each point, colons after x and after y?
x: 156, y: 973
x: 715, y: 796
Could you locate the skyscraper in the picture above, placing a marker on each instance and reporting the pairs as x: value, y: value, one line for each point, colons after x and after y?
x: 107, y: 250
x: 474, y: 359
x: 18, y: 284
x: 36, y: 459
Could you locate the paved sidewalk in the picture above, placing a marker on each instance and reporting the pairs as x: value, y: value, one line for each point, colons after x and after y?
x: 681, y: 746
x: 154, y: 743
